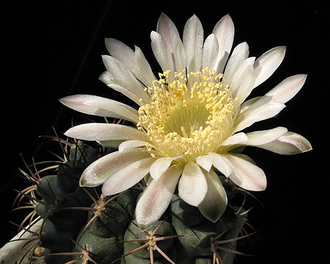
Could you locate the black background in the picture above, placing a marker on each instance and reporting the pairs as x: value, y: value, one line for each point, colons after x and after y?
x: 53, y: 48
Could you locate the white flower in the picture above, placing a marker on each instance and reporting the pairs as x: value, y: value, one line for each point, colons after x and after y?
x: 189, y: 119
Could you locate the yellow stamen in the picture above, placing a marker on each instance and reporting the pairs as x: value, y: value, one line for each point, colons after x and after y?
x: 188, y: 117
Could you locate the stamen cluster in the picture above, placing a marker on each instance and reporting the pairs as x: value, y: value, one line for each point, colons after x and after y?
x: 189, y: 116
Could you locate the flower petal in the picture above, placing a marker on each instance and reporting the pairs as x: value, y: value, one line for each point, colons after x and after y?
x: 124, y: 77
x: 167, y: 29
x: 247, y: 175
x: 101, y: 169
x: 259, y: 110
x: 215, y: 200
x: 239, y: 55
x: 146, y: 75
x: 218, y: 161
x: 288, y: 144
x: 224, y: 31
x: 130, y: 144
x: 161, y: 52
x: 288, y: 88
x: 236, y: 139
x: 180, y: 56
x: 210, y: 52
x: 267, y: 63
x: 243, y: 80
x: 193, y: 38
x: 121, y: 52
x: 156, y: 197
x: 133, y: 60
x: 192, y: 185
x: 160, y: 166
x: 110, y: 81
x: 258, y: 138
x: 100, y: 106
x: 127, y: 176
x: 105, y: 132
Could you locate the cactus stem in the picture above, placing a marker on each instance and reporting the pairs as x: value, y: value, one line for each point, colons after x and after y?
x: 99, y: 208
x: 83, y: 256
x: 150, y: 244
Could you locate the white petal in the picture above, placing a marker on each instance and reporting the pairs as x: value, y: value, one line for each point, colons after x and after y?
x: 257, y: 138
x: 180, y: 57
x: 167, y: 29
x: 243, y: 80
x: 236, y: 139
x: 133, y: 60
x: 109, y: 80
x: 206, y: 162
x: 100, y: 106
x: 146, y: 75
x: 101, y: 169
x: 267, y: 63
x: 122, y: 76
x: 104, y: 132
x: 260, y: 110
x: 215, y: 200
x: 161, y: 52
x: 160, y: 166
x: 247, y: 175
x: 192, y: 185
x: 239, y: 55
x: 246, y: 105
x: 218, y: 161
x: 210, y: 52
x: 288, y: 88
x: 156, y: 198
x: 121, y: 51
x: 193, y: 38
x: 224, y: 31
x: 130, y: 144
x: 127, y: 176
x: 288, y: 144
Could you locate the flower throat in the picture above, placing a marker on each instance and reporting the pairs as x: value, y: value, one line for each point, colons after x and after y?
x: 188, y: 116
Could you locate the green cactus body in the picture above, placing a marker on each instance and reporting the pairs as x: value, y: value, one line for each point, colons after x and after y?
x: 83, y: 226
x: 103, y: 250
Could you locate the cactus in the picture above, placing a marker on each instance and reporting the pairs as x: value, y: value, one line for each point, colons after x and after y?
x: 79, y: 225
x: 170, y: 192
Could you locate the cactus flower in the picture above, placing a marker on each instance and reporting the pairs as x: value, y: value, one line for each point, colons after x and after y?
x: 189, y: 122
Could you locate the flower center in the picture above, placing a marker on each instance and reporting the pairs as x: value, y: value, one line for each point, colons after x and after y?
x: 189, y: 116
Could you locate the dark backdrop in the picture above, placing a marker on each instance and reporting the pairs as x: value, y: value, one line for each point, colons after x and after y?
x: 53, y: 48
